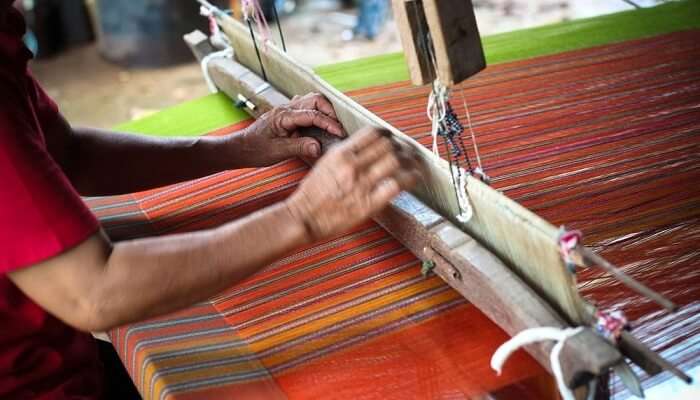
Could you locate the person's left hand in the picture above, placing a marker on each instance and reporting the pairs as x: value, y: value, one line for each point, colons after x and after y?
x: 275, y: 135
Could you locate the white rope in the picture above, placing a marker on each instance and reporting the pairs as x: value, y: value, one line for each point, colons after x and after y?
x: 534, y: 335
x: 460, y: 178
x: 225, y: 53
x: 436, y: 110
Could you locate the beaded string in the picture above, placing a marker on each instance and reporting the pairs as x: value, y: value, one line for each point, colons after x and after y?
x: 446, y: 124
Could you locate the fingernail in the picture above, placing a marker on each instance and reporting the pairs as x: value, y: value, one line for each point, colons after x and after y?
x: 314, y: 149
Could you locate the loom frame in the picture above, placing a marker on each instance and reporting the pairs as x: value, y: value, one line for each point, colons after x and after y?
x: 458, y: 259
x: 472, y: 258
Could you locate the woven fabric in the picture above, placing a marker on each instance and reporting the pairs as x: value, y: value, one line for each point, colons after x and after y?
x: 306, y: 324
x: 604, y: 139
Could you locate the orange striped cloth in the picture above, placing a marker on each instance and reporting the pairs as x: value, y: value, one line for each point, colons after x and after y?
x: 604, y: 139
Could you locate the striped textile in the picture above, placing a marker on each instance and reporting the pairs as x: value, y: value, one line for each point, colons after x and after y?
x: 339, y: 301
x: 605, y: 140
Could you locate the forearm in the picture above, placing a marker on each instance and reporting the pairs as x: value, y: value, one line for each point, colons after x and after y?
x: 96, y: 285
x: 105, y: 163
x: 149, y: 277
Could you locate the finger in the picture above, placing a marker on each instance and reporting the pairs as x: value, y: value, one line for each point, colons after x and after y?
x: 388, y: 165
x: 380, y: 197
x: 408, y: 159
x: 297, y: 147
x: 293, y: 119
x: 315, y: 101
x: 370, y: 154
x: 364, y: 138
x: 407, y: 179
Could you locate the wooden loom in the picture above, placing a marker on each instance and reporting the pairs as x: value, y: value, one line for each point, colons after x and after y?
x: 506, y: 260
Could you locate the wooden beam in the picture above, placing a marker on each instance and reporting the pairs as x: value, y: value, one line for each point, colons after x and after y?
x: 461, y: 261
x: 455, y: 39
x: 439, y: 35
x: 413, y: 29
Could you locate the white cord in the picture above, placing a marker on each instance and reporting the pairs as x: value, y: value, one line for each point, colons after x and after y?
x: 460, y: 178
x: 225, y: 53
x: 436, y: 111
x: 534, y: 335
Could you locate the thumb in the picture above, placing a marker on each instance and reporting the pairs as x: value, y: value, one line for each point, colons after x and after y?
x: 300, y: 147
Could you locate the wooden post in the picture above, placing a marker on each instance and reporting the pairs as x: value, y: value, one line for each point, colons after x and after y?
x: 442, y: 36
x: 410, y: 21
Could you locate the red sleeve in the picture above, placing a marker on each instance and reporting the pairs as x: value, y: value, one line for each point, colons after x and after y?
x: 41, y: 214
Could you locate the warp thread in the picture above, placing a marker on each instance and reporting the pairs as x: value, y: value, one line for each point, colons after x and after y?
x: 279, y: 25
x: 535, y: 335
x: 479, y: 170
x: 252, y: 9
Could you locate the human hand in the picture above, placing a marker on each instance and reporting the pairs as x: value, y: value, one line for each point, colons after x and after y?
x: 275, y: 135
x: 353, y: 181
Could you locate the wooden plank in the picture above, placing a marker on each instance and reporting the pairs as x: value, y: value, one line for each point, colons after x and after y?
x: 527, y: 243
x: 483, y: 279
x: 439, y: 35
x: 455, y: 39
x: 410, y: 21
x: 199, y: 44
x: 461, y: 261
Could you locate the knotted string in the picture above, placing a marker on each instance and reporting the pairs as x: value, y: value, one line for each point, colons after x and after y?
x: 436, y: 111
x: 462, y: 197
x: 445, y: 123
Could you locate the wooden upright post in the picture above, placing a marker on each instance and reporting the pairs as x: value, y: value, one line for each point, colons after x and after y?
x: 442, y: 36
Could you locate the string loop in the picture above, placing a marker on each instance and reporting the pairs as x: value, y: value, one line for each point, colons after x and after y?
x: 535, y: 335
x: 225, y: 53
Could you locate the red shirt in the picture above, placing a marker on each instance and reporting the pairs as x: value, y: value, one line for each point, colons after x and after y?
x: 41, y: 215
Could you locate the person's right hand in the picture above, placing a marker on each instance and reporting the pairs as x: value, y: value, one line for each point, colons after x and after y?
x: 353, y: 181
